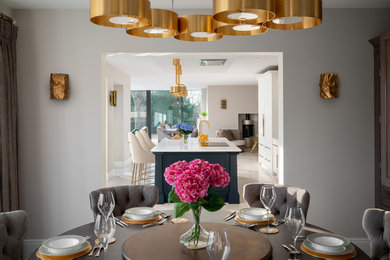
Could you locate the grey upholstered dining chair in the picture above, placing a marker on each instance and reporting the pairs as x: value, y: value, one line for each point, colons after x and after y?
x: 13, y: 226
x: 376, y: 223
x: 286, y: 196
x: 127, y: 196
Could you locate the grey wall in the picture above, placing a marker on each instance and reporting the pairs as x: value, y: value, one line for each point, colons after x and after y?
x: 329, y: 144
x: 239, y: 100
x: 5, y: 10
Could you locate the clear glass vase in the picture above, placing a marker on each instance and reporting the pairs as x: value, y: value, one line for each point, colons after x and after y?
x: 185, y: 138
x: 196, y: 237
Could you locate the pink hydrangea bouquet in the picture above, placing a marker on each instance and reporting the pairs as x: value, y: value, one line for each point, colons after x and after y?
x: 193, y: 187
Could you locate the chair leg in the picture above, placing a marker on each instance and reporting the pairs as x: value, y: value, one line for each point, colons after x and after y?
x: 136, y: 173
x: 145, y: 165
x: 132, y: 173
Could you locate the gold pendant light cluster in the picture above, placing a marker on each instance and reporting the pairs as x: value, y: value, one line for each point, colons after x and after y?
x: 180, y: 90
x: 230, y: 17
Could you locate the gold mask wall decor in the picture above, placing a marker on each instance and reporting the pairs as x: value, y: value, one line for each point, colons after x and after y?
x: 223, y: 104
x: 328, y: 85
x: 113, y: 98
x: 59, y: 86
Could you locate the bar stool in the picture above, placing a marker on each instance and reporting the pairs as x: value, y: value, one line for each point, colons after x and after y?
x: 140, y: 159
x: 142, y: 141
x: 146, y: 146
x: 147, y: 138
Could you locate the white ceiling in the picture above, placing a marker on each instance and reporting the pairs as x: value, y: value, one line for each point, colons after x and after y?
x: 156, y: 70
x: 178, y: 4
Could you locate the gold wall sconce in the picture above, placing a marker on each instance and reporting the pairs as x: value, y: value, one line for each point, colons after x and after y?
x: 59, y: 86
x: 223, y: 104
x: 328, y: 85
x: 113, y: 98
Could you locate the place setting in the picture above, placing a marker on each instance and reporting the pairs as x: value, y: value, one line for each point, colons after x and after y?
x: 64, y: 247
x: 145, y: 216
x: 329, y: 246
x: 250, y: 217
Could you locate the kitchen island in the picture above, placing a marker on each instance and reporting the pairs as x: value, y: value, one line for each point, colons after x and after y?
x: 220, y: 150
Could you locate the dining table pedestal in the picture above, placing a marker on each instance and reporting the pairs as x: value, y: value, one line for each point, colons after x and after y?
x: 162, y: 242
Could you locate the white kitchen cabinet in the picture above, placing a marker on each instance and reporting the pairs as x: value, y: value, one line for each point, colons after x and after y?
x: 268, y: 119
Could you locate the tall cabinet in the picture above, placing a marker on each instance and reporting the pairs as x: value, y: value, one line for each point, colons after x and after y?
x: 268, y: 121
x: 381, y: 46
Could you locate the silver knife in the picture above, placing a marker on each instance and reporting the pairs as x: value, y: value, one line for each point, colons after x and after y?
x: 121, y: 221
x: 230, y: 216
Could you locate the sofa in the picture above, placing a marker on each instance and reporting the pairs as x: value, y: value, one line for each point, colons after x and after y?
x: 233, y: 135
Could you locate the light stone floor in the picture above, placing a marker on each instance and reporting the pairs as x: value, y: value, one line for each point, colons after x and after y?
x: 249, y: 171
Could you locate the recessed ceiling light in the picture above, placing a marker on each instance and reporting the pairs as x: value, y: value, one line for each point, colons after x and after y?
x: 212, y: 62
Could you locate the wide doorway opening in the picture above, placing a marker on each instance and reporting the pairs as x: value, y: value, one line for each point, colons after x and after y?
x: 242, y: 94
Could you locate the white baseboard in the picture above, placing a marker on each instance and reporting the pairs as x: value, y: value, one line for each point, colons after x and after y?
x: 362, y: 243
x: 122, y: 164
x: 30, y: 245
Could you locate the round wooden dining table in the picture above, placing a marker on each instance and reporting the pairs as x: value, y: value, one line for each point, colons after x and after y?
x: 122, y: 234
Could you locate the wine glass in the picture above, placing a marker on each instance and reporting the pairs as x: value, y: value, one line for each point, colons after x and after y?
x: 267, y: 198
x: 106, y: 203
x: 100, y: 229
x: 295, y: 221
x: 104, y: 229
x: 218, y: 247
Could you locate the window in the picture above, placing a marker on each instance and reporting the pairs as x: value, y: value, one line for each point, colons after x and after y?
x: 151, y: 108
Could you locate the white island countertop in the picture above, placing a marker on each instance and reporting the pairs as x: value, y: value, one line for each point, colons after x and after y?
x: 216, y: 145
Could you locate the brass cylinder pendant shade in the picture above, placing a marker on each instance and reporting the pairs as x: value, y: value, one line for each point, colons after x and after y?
x: 239, y: 29
x: 197, y: 28
x: 120, y: 13
x: 296, y: 14
x: 179, y: 91
x: 244, y: 11
x: 164, y: 23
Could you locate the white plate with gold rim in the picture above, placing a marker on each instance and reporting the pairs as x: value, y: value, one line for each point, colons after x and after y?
x: 327, y: 242
x: 253, y: 214
x: 141, y: 213
x: 342, y: 251
x: 64, y: 245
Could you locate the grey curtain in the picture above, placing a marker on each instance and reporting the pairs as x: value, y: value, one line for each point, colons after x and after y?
x: 9, y: 126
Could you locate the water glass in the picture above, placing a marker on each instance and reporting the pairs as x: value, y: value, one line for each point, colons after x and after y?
x: 295, y: 221
x: 267, y: 198
x: 104, y: 229
x: 106, y: 203
x: 218, y: 246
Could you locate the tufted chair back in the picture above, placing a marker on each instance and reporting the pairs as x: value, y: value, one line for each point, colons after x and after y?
x: 376, y: 223
x: 128, y: 196
x: 285, y: 197
x: 13, y: 225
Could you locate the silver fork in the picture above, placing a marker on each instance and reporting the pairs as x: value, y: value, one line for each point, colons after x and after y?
x: 295, y: 250
x: 99, y: 249
x: 160, y: 222
x: 97, y: 243
x: 291, y: 250
x: 164, y: 215
x: 239, y: 224
x: 277, y: 223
